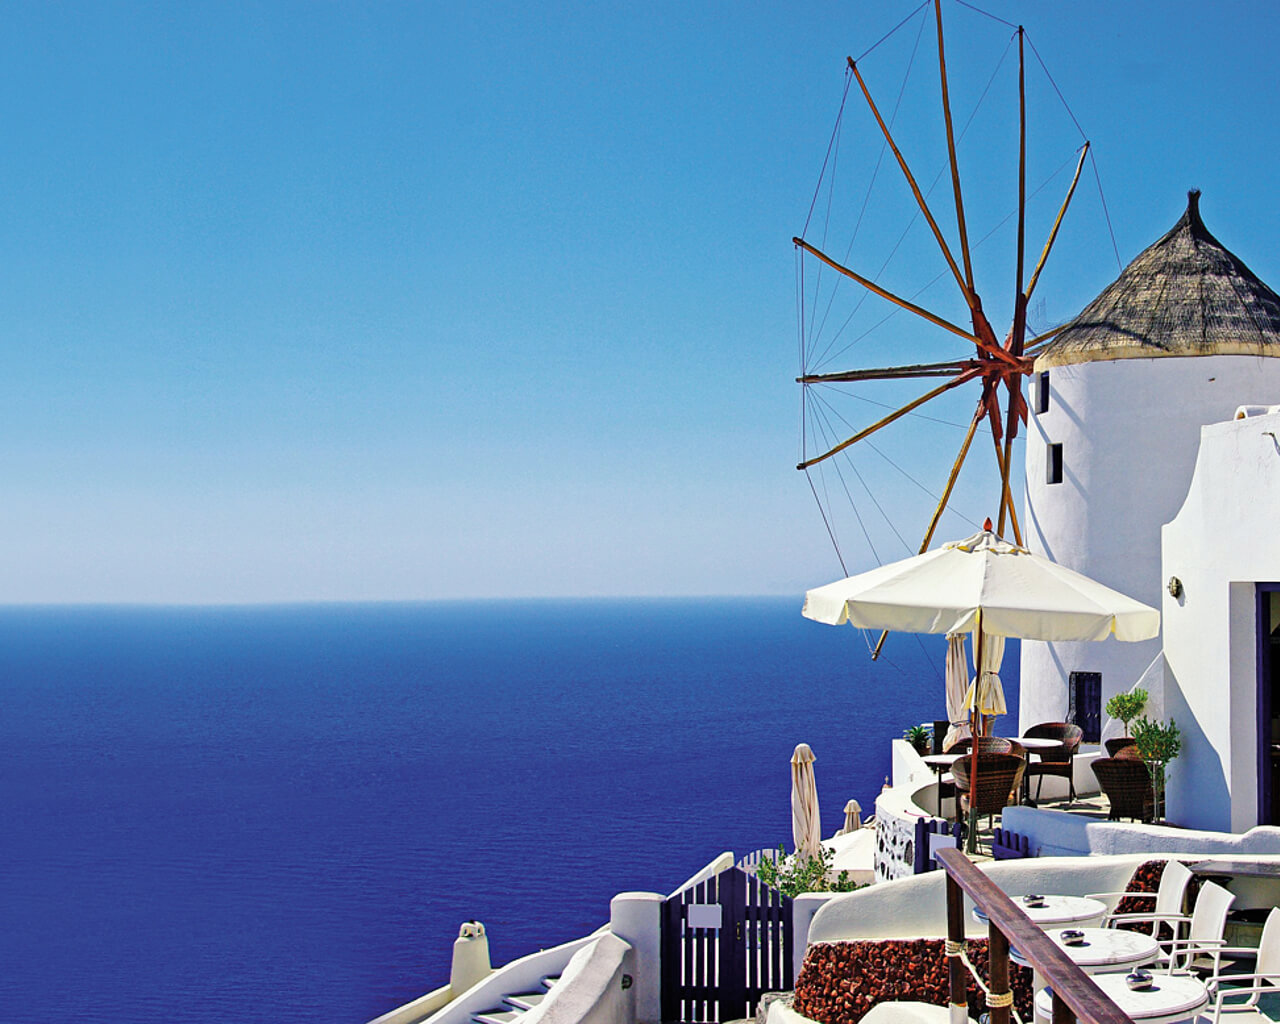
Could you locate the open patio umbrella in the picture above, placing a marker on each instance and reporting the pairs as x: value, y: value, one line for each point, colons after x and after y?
x: 988, y: 586
x: 806, y: 828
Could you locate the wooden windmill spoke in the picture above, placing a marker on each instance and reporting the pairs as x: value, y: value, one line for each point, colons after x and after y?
x: 915, y: 189
x: 891, y: 372
x: 1053, y: 233
x: 884, y: 293
x: 1040, y: 340
x: 1006, y: 498
x: 897, y: 414
x: 951, y: 152
x: 943, y: 501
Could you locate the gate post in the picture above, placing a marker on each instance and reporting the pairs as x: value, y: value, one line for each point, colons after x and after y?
x: 732, y: 979
x: 636, y: 918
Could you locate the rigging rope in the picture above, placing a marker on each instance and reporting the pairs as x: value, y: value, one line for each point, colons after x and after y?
x: 827, y: 354
x: 892, y: 30
x: 848, y: 79
x: 866, y: 199
x: 987, y: 14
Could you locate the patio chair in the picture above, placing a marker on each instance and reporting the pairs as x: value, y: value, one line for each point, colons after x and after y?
x: 1265, y: 977
x: 999, y: 777
x: 1166, y: 902
x: 1056, y: 761
x: 1118, y: 743
x: 1202, y: 948
x: 1126, y: 783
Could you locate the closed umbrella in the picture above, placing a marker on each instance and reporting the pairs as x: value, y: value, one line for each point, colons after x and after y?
x: 806, y: 828
x: 985, y: 695
x: 852, y: 817
x: 957, y: 680
x: 988, y: 586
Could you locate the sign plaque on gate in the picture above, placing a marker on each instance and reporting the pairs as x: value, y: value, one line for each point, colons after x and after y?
x: 704, y: 915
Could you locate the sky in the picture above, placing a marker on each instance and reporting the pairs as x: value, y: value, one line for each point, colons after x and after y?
x: 401, y: 301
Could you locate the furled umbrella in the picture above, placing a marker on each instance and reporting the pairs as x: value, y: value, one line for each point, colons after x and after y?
x: 957, y: 683
x: 988, y: 586
x: 985, y: 695
x: 852, y: 817
x: 806, y: 828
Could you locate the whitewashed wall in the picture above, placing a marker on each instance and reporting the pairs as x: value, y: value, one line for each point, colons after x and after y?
x: 1225, y: 539
x: 1130, y: 431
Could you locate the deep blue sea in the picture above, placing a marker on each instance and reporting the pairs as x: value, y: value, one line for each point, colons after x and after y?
x: 283, y: 814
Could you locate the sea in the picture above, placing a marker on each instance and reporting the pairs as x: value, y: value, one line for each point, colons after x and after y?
x: 284, y: 813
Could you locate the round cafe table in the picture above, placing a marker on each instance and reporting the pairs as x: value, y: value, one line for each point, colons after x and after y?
x: 1104, y: 950
x: 1033, y: 745
x: 1062, y: 910
x: 941, y: 764
x: 1171, y: 998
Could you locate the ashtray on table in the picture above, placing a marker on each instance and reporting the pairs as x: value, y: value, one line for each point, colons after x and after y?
x: 1139, y: 980
x: 1072, y: 936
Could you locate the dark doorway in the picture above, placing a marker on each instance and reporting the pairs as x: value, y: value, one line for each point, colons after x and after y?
x: 1269, y: 703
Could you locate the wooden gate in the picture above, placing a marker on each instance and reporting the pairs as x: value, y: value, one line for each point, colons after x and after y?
x: 725, y: 942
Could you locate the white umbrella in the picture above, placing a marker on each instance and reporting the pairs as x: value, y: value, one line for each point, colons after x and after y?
x: 988, y: 586
x: 983, y: 582
x: 806, y: 829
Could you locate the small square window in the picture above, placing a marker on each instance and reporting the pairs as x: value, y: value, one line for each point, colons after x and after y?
x: 1042, y: 393
x: 1053, y: 467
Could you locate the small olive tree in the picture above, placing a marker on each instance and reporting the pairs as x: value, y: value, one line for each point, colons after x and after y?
x: 1127, y: 706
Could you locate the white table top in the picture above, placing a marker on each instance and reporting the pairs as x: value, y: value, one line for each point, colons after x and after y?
x: 941, y: 760
x: 1036, y: 742
x: 1056, y: 910
x: 1171, y: 998
x: 1104, y: 949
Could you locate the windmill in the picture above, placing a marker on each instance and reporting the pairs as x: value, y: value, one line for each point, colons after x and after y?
x: 995, y: 368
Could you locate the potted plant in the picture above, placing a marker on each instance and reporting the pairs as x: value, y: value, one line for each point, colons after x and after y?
x: 1126, y: 707
x: 1158, y: 745
x: 920, y: 738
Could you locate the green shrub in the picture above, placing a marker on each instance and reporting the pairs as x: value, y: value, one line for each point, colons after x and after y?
x: 1158, y: 744
x: 919, y: 737
x: 794, y: 875
x: 1127, y: 706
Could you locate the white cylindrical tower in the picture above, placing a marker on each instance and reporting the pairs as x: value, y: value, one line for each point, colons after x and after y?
x: 1185, y: 335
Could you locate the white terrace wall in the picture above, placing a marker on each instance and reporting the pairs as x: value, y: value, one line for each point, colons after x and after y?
x: 1130, y: 430
x: 1224, y: 540
x: 916, y: 907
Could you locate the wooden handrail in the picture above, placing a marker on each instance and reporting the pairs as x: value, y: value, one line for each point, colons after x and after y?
x: 1075, y: 996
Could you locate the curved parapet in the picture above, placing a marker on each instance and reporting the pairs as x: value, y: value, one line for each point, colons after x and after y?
x: 916, y: 907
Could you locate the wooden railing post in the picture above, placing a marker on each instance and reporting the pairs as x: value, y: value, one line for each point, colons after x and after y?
x: 957, y: 973
x: 1000, y: 996
x: 1076, y: 995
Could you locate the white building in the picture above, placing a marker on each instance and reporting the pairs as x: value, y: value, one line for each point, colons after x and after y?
x: 1182, y: 338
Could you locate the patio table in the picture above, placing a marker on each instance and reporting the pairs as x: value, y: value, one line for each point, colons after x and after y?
x: 1062, y: 910
x: 1171, y: 998
x: 1104, y: 950
x: 940, y: 763
x: 1033, y: 745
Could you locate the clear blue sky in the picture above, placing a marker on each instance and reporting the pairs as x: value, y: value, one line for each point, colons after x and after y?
x: 423, y: 300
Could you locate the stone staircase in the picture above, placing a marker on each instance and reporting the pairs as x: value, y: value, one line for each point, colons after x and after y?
x: 515, y: 1006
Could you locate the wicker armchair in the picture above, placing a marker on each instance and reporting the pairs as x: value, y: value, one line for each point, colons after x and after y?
x: 1056, y: 761
x: 1118, y: 743
x: 999, y: 777
x: 1127, y: 784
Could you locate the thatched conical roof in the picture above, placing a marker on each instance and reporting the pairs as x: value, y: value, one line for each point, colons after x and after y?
x: 1186, y: 295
